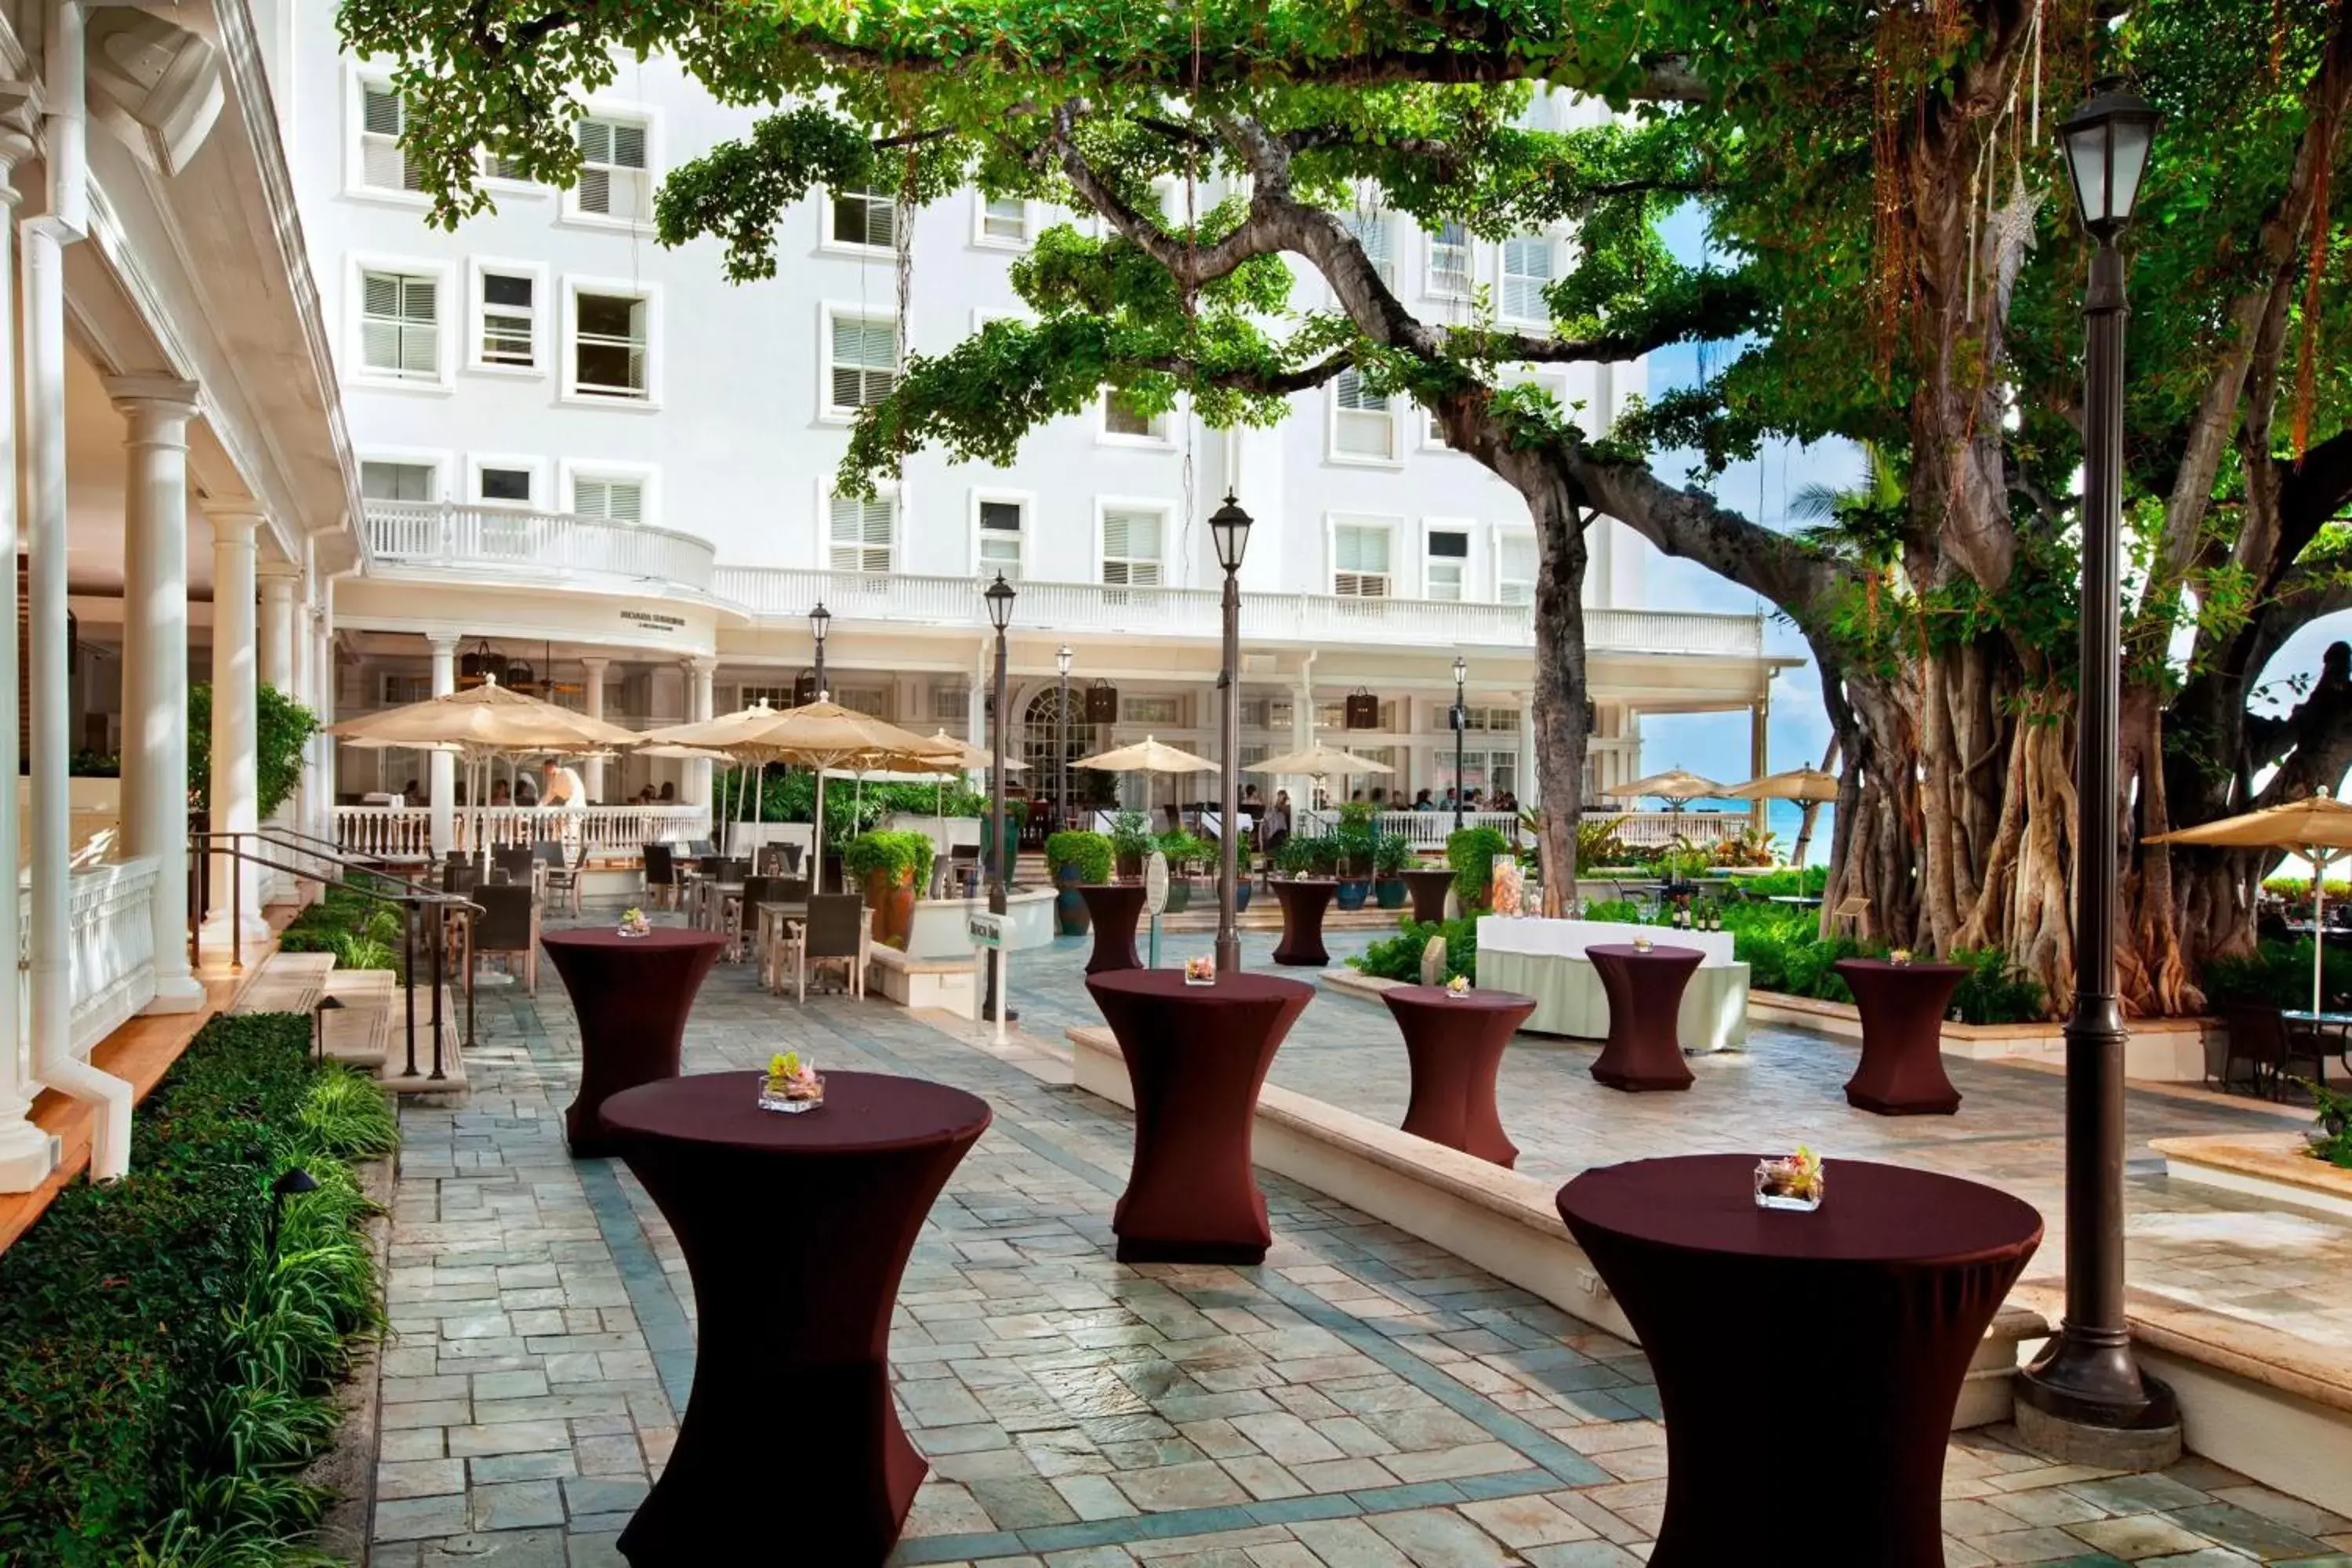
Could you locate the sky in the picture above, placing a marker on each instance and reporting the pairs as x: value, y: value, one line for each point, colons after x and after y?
x: 1715, y: 746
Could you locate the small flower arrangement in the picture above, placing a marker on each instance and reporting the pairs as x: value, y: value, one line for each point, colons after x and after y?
x: 1900, y: 956
x: 791, y: 1085
x: 1793, y: 1182
x: 1641, y: 943
x: 1458, y: 987
x: 1201, y: 971
x: 634, y: 923
x: 1302, y: 875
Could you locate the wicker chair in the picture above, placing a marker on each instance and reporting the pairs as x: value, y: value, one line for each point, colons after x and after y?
x: 834, y: 932
x: 508, y: 925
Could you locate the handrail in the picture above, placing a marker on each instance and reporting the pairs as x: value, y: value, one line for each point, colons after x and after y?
x: 333, y: 852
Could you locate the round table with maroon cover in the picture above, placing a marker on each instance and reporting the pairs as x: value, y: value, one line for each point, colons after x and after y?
x: 631, y: 996
x: 1430, y: 886
x: 1115, y: 907
x: 796, y: 1229
x: 1902, y: 1006
x: 1807, y: 1364
x: 1303, y: 904
x: 1646, y: 1000
x: 1454, y: 1045
x: 1196, y: 1055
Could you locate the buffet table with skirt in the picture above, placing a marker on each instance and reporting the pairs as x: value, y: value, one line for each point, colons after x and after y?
x: 1546, y: 959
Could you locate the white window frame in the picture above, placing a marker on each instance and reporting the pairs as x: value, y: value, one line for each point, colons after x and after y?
x: 439, y: 460
x: 1105, y: 505
x: 1503, y: 276
x: 829, y: 311
x: 1364, y: 218
x: 895, y: 491
x: 1027, y: 501
x: 1467, y: 561
x: 1158, y: 440
x: 649, y: 119
x: 1333, y: 522
x: 444, y: 358
x: 567, y: 349
x: 570, y: 471
x: 1433, y: 435
x: 1393, y: 458
x: 1504, y: 535
x: 356, y: 83
x: 478, y: 271
x: 531, y: 463
x: 825, y: 236
x: 984, y: 240
x: 1429, y: 284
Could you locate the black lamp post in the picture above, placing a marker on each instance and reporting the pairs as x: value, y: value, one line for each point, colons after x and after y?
x: 820, y: 622
x: 1461, y: 722
x: 319, y: 1011
x: 1000, y: 615
x: 293, y: 1183
x: 1061, y: 742
x: 2087, y: 1378
x: 1229, y: 526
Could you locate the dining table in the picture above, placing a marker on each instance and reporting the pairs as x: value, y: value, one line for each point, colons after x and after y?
x: 1303, y: 902
x: 1196, y: 1057
x: 796, y: 1229
x: 1902, y: 1006
x: 1453, y: 1043
x: 2339, y: 1021
x: 1114, y: 910
x: 1428, y: 885
x: 630, y: 995
x: 1645, y: 987
x: 1818, y: 1420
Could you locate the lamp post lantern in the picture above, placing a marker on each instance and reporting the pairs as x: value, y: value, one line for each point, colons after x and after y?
x: 1000, y: 615
x: 1229, y: 526
x: 1461, y: 722
x: 820, y: 622
x: 1061, y: 742
x: 2085, y: 1396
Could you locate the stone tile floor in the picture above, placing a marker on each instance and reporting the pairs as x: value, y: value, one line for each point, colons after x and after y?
x: 1361, y: 1399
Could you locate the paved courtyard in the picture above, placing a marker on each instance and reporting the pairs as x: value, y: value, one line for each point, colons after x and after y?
x: 1361, y: 1399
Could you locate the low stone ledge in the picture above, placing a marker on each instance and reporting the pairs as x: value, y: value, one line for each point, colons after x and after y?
x: 2272, y: 1165
x: 946, y: 984
x: 2161, y: 1050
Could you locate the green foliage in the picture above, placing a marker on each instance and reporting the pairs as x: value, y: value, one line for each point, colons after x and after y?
x: 1399, y: 957
x: 1995, y: 991
x: 1470, y: 852
x: 283, y: 727
x: 2278, y: 973
x: 900, y: 859
x: 1316, y: 856
x: 362, y: 933
x: 1789, y: 881
x: 165, y: 1368
x: 1184, y: 850
x: 1392, y: 853
x: 1130, y: 836
x: 790, y: 795
x: 2332, y: 1140
x: 1597, y: 843
x: 1089, y: 853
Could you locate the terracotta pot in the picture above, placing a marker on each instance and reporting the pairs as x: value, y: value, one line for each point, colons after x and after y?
x: 893, y: 903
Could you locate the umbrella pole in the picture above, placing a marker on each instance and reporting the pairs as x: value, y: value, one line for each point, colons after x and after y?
x: 2320, y: 859
x: 816, y: 845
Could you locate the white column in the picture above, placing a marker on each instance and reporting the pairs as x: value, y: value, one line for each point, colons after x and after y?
x: 155, y: 664
x: 319, y: 682
x: 278, y: 581
x: 234, y: 790
x: 697, y: 776
x: 28, y: 1154
x: 442, y: 766
x: 1760, y: 755
x: 592, y: 685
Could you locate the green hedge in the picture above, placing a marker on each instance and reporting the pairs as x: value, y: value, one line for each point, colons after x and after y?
x: 901, y: 857
x: 1399, y: 957
x: 362, y: 933
x: 1088, y: 853
x: 1470, y: 852
x: 164, y: 1369
x: 2278, y: 973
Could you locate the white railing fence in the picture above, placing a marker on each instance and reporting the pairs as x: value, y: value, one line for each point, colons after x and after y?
x: 111, y: 937
x: 455, y: 535
x: 1641, y: 829
x: 608, y: 832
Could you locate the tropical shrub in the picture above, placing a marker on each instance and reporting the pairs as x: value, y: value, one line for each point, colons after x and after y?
x: 1399, y: 957
x: 1470, y: 852
x: 1597, y: 843
x: 1131, y: 838
x: 1089, y: 854
x: 362, y: 933
x: 1788, y: 881
x: 2278, y: 973
x: 1995, y: 991
x: 1392, y: 853
x: 2332, y: 1140
x: 282, y: 728
x: 1315, y: 857
x: 1750, y: 846
x: 900, y: 859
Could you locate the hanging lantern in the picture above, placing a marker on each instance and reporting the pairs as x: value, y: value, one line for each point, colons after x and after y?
x: 804, y: 688
x: 1364, y: 709
x: 1102, y: 703
x: 482, y: 662
x: 521, y: 677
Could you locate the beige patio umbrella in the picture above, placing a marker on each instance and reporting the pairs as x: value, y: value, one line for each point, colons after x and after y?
x: 2319, y: 828
x: 1797, y: 783
x: 1676, y: 787
x: 817, y: 735
x: 1318, y: 762
x: 1147, y: 756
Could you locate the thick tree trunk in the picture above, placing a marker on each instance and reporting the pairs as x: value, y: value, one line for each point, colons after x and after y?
x: 1561, y: 717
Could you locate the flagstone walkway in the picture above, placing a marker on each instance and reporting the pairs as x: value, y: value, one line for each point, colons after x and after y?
x: 1361, y: 1399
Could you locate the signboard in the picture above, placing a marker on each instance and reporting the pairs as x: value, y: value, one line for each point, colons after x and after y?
x: 987, y: 930
x: 1155, y: 883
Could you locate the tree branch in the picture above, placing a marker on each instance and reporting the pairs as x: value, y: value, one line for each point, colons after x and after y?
x: 1277, y: 385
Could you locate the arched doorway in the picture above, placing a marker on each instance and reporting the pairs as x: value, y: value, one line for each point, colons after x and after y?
x: 1048, y: 754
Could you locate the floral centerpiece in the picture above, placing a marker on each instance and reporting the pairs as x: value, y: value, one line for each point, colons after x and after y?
x: 1458, y: 987
x: 1900, y: 956
x: 1641, y: 943
x: 1793, y: 1182
x: 634, y: 923
x: 1201, y: 971
x: 791, y: 1085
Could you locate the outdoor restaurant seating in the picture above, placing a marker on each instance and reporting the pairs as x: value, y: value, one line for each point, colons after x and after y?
x: 738, y: 918
x: 2259, y: 1037
x: 560, y: 871
x: 833, y: 934
x: 779, y: 860
x: 515, y: 864
x: 508, y: 925
x: 661, y: 875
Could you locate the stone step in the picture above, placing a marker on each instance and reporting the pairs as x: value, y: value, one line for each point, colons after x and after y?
x: 369, y: 1031
x: 286, y: 983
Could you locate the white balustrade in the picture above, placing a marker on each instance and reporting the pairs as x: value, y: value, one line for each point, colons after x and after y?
x: 1640, y: 830
x: 111, y: 941
x: 507, y: 540
x: 608, y: 832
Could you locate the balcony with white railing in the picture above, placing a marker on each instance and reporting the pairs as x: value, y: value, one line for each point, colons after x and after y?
x: 509, y: 544
x: 404, y: 833
x: 111, y: 947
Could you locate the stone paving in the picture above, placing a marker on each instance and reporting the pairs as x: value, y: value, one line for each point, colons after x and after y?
x: 1364, y: 1400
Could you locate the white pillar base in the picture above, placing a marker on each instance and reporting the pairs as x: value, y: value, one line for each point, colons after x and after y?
x: 254, y: 943
x: 177, y: 993
x: 28, y: 1156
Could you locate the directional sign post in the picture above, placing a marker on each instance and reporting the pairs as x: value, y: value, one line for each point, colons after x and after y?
x: 987, y: 933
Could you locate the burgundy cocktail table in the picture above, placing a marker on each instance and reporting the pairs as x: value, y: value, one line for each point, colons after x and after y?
x: 1902, y: 1008
x: 1196, y: 1055
x: 1303, y: 904
x: 1429, y: 887
x: 795, y: 1230
x: 1821, y: 1427
x: 631, y: 996
x: 1456, y: 1046
x: 1115, y: 909
x: 1646, y: 999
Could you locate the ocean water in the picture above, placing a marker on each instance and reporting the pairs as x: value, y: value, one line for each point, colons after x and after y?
x: 1783, y: 817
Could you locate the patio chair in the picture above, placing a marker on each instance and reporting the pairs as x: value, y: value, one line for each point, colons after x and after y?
x: 560, y: 868
x: 834, y: 932
x: 508, y: 925
x: 461, y: 877
x: 771, y: 891
x: 515, y: 864
x: 661, y: 875
x: 736, y: 919
x: 2259, y: 1035
x: 779, y: 860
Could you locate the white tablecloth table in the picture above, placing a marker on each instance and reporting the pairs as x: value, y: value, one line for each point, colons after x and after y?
x: 1545, y: 959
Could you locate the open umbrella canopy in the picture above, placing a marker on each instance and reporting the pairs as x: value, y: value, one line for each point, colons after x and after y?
x: 728, y: 735
x: 955, y: 756
x: 482, y: 720
x: 683, y: 753
x: 1147, y: 756
x: 1676, y: 785
x: 2319, y: 826
x: 1318, y: 762
x: 1797, y: 783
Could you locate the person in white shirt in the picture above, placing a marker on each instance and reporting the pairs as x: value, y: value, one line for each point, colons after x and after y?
x: 560, y: 788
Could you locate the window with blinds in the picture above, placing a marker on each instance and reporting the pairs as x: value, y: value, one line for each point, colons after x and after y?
x: 396, y: 481
x: 1449, y: 261
x: 865, y: 360
x: 616, y: 501
x: 1442, y: 569
x: 861, y: 533
x: 614, y: 179
x: 999, y: 539
x: 400, y: 326
x: 1362, y: 424
x: 1515, y: 570
x: 385, y: 165
x: 1130, y: 554
x: 1005, y: 219
x: 608, y: 347
x: 1378, y: 236
x: 1527, y: 273
x: 865, y: 218
x: 509, y: 320
x: 1359, y: 559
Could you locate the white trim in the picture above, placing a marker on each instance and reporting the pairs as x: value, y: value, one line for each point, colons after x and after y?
x: 1026, y: 500
x: 1503, y: 278
x: 569, y: 471
x: 1509, y: 532
x: 826, y: 244
x: 895, y: 491
x: 1394, y: 526
x: 983, y: 240
x: 1331, y: 412
x: 476, y: 269
x: 1429, y: 266
x: 357, y: 78
x: 357, y: 264
x: 567, y: 351
x: 1468, y: 528
x: 625, y: 112
x: 531, y: 463
x: 441, y: 460
x: 828, y: 311
x: 1165, y: 507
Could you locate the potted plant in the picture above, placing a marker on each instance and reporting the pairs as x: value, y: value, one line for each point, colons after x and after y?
x: 1130, y: 841
x: 1185, y: 850
x: 1471, y: 853
x: 1392, y: 853
x: 1076, y: 859
x: 891, y: 866
x: 1354, y: 843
